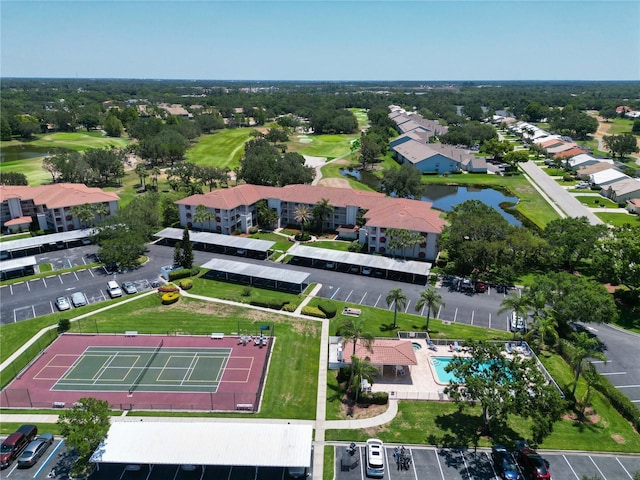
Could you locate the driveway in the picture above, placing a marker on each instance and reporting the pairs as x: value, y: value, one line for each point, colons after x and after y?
x: 558, y: 195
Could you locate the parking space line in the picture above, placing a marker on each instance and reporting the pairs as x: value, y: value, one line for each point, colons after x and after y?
x: 627, y: 386
x: 439, y: 310
x: 495, y: 474
x: 455, y: 315
x: 614, y: 373
x: 407, y: 308
x: 625, y: 470
x: 362, y: 299
x: 11, y: 288
x: 75, y: 275
x: 598, y: 468
x: 489, y: 319
x: 570, y: 467
x: 91, y: 272
x: 466, y: 467
x: 347, y: 299
x: 45, y: 282
x: 60, y: 278
x: 376, y: 304
x: 439, y: 466
x: 44, y: 464
x: 361, y: 462
x: 473, y: 312
x: 33, y: 309
x: 334, y: 293
x: 422, y: 311
x: 413, y: 464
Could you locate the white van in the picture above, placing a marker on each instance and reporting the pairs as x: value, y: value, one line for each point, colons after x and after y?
x: 114, y: 289
x: 375, y: 458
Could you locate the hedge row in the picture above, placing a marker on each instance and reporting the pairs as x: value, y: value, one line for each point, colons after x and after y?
x: 167, y: 288
x: 374, y: 398
x: 183, y: 273
x: 273, y: 304
x: 313, y: 312
x: 620, y: 402
x: 329, y: 310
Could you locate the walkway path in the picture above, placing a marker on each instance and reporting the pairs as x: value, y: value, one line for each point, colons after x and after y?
x: 560, y: 198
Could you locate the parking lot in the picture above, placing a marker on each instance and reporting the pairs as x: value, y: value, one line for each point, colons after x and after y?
x: 55, y: 458
x: 465, y: 464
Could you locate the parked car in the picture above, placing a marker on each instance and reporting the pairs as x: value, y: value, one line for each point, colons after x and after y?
x: 79, y: 299
x: 533, y: 465
x: 481, y: 286
x: 504, y: 463
x: 516, y: 322
x: 366, y: 271
x: 465, y: 285
x: 11, y: 448
x: 35, y: 450
x: 63, y: 303
x: 114, y: 289
x: 129, y: 288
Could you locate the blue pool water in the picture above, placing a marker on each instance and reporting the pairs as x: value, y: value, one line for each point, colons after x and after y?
x: 440, y: 363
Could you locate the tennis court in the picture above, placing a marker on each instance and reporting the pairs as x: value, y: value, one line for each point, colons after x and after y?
x: 145, y: 372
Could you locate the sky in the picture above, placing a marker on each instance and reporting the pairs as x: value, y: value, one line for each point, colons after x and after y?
x: 331, y: 40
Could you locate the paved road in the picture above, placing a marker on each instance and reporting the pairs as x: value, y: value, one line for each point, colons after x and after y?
x: 558, y: 195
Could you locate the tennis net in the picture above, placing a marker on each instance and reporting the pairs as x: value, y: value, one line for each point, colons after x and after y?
x: 136, y: 382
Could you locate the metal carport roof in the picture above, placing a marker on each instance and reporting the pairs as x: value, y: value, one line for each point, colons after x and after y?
x: 257, y: 271
x: 361, y: 259
x: 218, y: 239
x: 17, y: 264
x: 206, y: 443
x: 24, y: 243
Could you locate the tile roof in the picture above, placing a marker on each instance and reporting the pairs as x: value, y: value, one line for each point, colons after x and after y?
x: 414, y: 215
x: 18, y: 221
x: 596, y: 167
x: 572, y: 152
x: 58, y: 195
x: 385, y: 352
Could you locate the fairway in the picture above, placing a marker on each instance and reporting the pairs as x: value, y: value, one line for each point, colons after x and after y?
x: 223, y: 149
x: 122, y: 369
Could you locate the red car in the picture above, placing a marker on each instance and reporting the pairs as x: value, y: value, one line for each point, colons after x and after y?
x: 533, y: 465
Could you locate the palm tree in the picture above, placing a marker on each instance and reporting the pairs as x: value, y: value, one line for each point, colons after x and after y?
x: 84, y: 213
x: 203, y: 214
x: 431, y: 299
x: 302, y: 215
x: 519, y: 304
x: 546, y: 326
x: 360, y: 369
x: 321, y: 211
x: 155, y: 173
x: 141, y: 171
x: 592, y: 377
x: 398, y: 299
x: 583, y: 347
x: 353, y: 329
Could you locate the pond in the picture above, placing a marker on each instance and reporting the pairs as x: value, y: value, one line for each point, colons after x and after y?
x: 445, y: 197
x: 15, y: 153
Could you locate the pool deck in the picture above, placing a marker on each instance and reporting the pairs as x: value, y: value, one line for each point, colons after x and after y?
x: 419, y: 382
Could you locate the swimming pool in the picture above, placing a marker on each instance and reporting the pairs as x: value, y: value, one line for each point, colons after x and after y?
x: 438, y: 365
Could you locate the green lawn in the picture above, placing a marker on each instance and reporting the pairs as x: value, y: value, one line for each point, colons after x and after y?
x: 282, y: 244
x: 618, y: 126
x: 222, y: 149
x: 332, y: 245
x: 531, y: 205
x: 593, y: 201
x: 79, y: 141
x: 618, y: 219
x: 361, y: 116
x: 330, y: 146
x: 31, y: 167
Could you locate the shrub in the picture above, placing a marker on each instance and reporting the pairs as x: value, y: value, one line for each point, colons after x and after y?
x: 259, y: 303
x: 567, y: 178
x: 63, y: 325
x: 246, y: 292
x: 328, y: 309
x: 620, y: 402
x: 375, y: 398
x: 186, y: 283
x: 253, y: 230
x: 313, y: 312
x: 290, y: 307
x: 167, y: 288
x: 170, y: 297
x: 303, y: 237
x: 356, y: 246
x: 178, y: 274
x: 277, y: 304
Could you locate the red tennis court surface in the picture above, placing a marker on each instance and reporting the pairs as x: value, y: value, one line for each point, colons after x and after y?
x: 238, y: 386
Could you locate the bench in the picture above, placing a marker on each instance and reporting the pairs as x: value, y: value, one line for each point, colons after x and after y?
x: 354, y: 312
x: 131, y: 333
x: 58, y: 404
x: 244, y: 406
x: 217, y: 336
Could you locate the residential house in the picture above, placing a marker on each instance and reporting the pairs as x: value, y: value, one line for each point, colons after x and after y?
x: 235, y: 209
x: 583, y: 172
x: 623, y: 190
x: 633, y: 205
x: 584, y: 160
x: 606, y: 177
x: 51, y: 206
x: 437, y: 157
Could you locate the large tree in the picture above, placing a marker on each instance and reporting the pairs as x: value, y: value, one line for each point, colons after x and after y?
x: 398, y: 299
x: 503, y: 385
x: 85, y: 425
x: 404, y: 181
x: 571, y: 240
x: 431, y: 299
x: 621, y: 145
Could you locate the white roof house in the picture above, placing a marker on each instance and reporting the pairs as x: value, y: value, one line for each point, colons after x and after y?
x: 623, y: 190
x: 606, y: 177
x: 206, y: 443
x: 584, y: 159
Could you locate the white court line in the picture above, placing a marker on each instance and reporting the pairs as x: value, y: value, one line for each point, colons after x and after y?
x: 574, y: 472
x: 598, y: 468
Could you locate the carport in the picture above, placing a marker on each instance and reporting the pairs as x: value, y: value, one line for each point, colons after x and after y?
x: 414, y: 271
x: 17, y: 267
x: 258, y: 275
x: 24, y: 246
x: 205, y: 444
x: 226, y: 244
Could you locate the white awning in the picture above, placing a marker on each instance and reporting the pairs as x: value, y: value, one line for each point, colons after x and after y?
x: 206, y: 443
